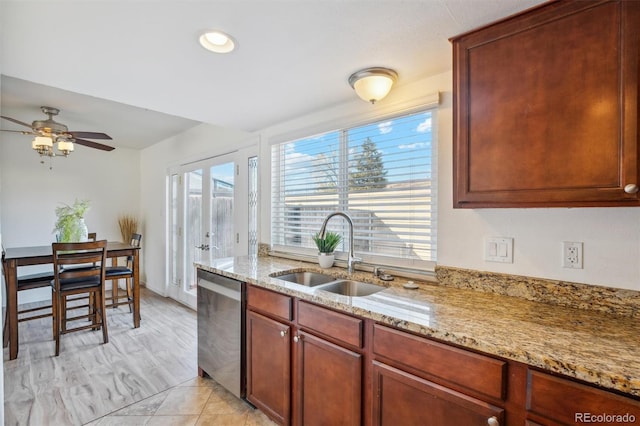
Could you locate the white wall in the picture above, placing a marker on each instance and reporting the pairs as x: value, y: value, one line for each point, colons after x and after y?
x: 2, y: 296
x: 611, y: 236
x: 31, y: 193
x: 198, y: 143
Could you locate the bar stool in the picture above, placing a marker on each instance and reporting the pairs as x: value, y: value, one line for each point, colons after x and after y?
x: 70, y: 280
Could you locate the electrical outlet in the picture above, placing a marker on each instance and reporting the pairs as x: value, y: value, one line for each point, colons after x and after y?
x: 572, y: 254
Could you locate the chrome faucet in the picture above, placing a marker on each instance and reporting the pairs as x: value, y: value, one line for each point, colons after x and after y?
x: 323, y: 229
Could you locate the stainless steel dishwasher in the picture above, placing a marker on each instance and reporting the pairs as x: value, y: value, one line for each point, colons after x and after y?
x: 221, y: 330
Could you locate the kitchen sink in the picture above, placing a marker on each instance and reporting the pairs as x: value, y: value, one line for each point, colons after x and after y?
x: 351, y: 288
x: 310, y: 279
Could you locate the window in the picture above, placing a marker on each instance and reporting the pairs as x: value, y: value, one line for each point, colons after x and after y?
x: 381, y: 174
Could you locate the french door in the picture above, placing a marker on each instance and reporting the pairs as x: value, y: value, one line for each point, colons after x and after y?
x: 209, y: 217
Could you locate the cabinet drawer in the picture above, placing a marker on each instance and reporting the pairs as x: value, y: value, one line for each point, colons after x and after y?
x: 478, y: 373
x: 344, y: 328
x: 404, y: 399
x: 568, y: 402
x: 269, y: 302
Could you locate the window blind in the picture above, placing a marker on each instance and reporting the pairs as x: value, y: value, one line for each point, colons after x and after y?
x: 380, y: 173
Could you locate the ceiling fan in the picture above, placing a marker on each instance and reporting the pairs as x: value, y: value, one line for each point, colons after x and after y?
x: 48, y: 131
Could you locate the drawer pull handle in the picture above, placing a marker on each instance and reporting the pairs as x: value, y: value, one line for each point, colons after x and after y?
x: 283, y: 333
x: 493, y: 421
x: 631, y: 188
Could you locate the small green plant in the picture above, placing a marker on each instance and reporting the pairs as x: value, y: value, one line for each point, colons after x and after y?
x: 68, y: 224
x: 329, y: 243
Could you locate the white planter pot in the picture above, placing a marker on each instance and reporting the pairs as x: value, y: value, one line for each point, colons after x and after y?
x: 326, y: 259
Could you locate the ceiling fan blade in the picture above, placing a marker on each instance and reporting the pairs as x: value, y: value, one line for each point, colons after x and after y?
x: 23, y: 132
x: 22, y: 123
x: 92, y: 144
x: 90, y: 135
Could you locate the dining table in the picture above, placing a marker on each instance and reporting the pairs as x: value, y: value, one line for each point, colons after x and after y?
x: 16, y: 257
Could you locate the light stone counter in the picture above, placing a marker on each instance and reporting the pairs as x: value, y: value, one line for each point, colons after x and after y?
x: 593, y: 346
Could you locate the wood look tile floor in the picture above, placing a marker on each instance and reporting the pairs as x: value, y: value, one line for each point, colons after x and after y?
x: 143, y: 376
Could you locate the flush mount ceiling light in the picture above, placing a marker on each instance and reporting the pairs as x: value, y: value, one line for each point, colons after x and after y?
x: 217, y: 41
x: 373, y: 84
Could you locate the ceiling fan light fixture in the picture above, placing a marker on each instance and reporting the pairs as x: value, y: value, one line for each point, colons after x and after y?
x: 42, y: 141
x: 217, y: 41
x: 65, y: 147
x: 43, y: 145
x: 373, y: 84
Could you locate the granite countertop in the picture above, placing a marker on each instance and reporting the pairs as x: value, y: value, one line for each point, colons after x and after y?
x: 593, y: 346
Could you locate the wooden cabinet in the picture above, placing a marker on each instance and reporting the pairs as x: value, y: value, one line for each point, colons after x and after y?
x: 308, y: 365
x: 304, y: 365
x: 418, y: 381
x: 546, y: 108
x: 269, y: 366
x: 329, y: 382
x: 268, y: 349
x: 408, y: 400
x: 553, y: 400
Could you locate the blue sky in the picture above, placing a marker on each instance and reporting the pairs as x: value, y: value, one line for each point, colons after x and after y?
x: 405, y: 144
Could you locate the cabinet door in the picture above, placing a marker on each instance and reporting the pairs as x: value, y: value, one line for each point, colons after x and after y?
x: 546, y: 108
x: 549, y: 405
x: 269, y: 366
x: 328, y: 383
x: 404, y: 399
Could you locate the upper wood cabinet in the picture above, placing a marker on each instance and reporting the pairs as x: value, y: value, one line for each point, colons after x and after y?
x: 546, y: 108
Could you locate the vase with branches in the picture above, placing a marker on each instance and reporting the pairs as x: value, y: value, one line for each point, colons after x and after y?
x: 128, y: 226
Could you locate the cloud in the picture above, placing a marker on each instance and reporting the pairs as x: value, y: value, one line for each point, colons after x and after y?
x: 385, y: 127
x: 425, y: 126
x: 412, y: 145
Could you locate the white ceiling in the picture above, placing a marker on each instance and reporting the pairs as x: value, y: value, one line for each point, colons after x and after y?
x: 134, y: 69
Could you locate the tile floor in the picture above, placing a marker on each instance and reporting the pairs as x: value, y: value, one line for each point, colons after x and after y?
x: 193, y: 403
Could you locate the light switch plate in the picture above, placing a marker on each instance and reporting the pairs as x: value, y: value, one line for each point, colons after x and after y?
x: 498, y: 249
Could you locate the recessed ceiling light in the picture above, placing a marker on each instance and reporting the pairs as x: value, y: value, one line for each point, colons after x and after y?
x: 217, y: 41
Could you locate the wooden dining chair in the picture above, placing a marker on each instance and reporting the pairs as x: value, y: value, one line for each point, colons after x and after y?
x: 116, y: 273
x: 26, y: 282
x: 70, y: 281
x: 91, y: 236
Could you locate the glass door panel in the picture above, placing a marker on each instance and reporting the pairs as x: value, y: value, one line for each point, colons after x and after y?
x: 205, y: 230
x: 201, y: 230
x: 221, y: 225
x: 193, y: 225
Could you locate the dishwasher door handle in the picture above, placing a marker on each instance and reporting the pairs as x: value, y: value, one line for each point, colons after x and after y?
x: 221, y: 289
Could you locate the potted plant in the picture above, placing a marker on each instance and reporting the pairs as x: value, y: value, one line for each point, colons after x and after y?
x: 70, y: 226
x: 326, y: 246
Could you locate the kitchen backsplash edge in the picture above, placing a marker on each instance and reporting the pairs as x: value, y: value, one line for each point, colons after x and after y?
x: 610, y: 300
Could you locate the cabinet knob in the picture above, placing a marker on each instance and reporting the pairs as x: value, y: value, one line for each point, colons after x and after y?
x: 493, y: 421
x: 631, y: 188
x: 283, y: 333
x: 297, y: 338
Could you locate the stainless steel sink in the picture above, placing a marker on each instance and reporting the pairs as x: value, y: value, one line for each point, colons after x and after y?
x: 351, y: 288
x: 310, y: 279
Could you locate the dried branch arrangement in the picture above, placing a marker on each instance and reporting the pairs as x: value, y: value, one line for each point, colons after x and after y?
x: 128, y: 226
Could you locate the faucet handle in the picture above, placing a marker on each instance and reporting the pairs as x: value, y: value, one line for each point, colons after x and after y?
x: 379, y: 273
